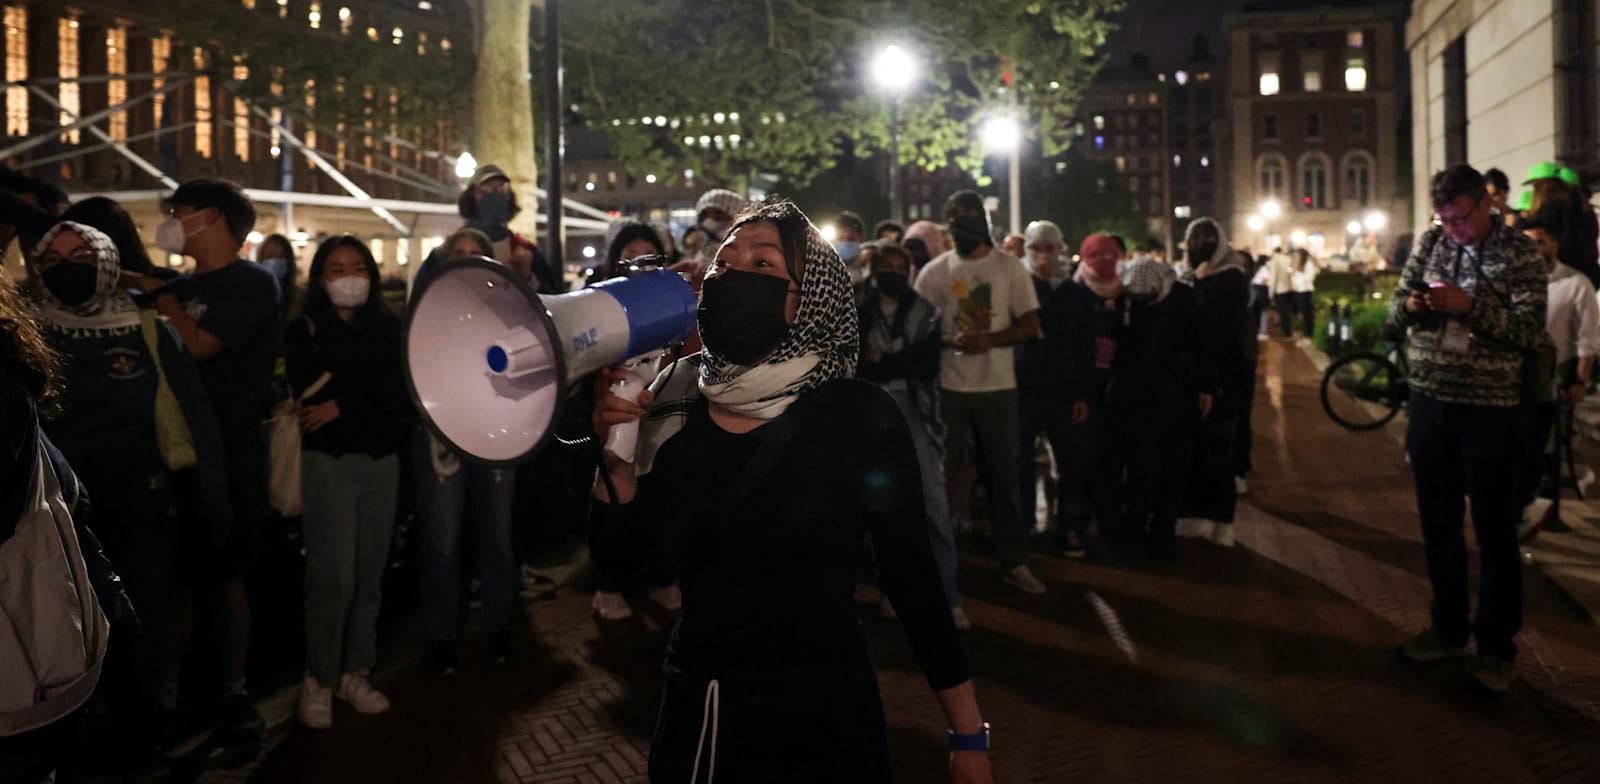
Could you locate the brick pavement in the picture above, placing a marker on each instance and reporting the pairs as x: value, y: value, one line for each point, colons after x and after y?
x: 1268, y: 662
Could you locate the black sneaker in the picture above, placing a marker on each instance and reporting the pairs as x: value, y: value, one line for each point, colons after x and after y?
x: 499, y: 646
x: 442, y: 657
x: 1073, y: 545
x: 238, y: 720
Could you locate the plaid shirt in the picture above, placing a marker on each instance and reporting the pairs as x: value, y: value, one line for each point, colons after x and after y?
x: 1508, y: 283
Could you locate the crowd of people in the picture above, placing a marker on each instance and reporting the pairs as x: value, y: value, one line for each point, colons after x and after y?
x: 928, y: 379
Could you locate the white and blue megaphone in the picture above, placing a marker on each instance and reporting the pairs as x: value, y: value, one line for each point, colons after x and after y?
x: 489, y: 361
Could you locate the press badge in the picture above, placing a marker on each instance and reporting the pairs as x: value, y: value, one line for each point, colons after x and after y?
x: 1457, y: 337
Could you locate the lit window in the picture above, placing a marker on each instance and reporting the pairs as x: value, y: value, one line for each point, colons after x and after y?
x: 1182, y: 211
x: 402, y: 249
x: 444, y: 44
x: 367, y: 125
x: 283, y: 9
x: 160, y: 53
x: 344, y: 20
x: 310, y: 137
x: 1153, y: 99
x: 117, y: 89
x: 1100, y: 143
x: 1311, y: 71
x: 397, y: 36
x: 1205, y: 161
x: 1122, y: 163
x: 1133, y: 100
x: 1355, y: 39
x: 314, y: 16
x: 1355, y: 75
x: 248, y: 4
x: 1181, y: 77
x: 1268, y: 82
x: 16, y: 70
x: 372, y: 33
x: 394, y: 127
x: 422, y: 43
x: 1177, y: 161
x: 202, y: 106
x: 241, y: 117
x: 376, y: 247
x: 67, y: 64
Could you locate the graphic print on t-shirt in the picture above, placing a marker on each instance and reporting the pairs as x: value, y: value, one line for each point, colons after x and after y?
x: 974, y: 305
x: 123, y: 364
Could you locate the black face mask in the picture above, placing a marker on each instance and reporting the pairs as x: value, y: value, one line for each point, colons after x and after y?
x: 1201, y: 250
x: 969, y: 232
x: 71, y: 283
x: 742, y: 315
x: 892, y: 284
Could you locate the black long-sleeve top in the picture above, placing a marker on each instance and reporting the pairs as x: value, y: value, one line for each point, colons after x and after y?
x: 1229, y: 328
x: 368, y: 383
x: 1158, y: 364
x: 769, y: 586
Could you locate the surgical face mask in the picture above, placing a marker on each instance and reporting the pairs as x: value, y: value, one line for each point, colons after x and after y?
x: 172, y: 232
x: 349, y: 291
x: 742, y: 315
x: 278, y: 267
x: 71, y: 283
x: 715, y: 229
x: 848, y: 251
x: 970, y: 232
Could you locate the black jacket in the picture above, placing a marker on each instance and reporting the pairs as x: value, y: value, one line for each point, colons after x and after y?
x: 368, y: 383
x: 1158, y: 372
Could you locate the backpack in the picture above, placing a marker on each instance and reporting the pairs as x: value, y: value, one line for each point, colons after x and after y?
x: 52, y: 628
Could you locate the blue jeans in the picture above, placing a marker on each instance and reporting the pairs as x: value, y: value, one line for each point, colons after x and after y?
x: 482, y: 496
x: 1460, y: 452
x: 930, y: 460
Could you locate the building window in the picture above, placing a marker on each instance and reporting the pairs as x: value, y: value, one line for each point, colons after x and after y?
x: 1182, y: 211
x: 1314, y: 182
x: 160, y: 53
x: 1205, y: 161
x: 402, y: 249
x: 1355, y: 39
x: 396, y: 36
x: 1268, y: 80
x: 1153, y: 99
x: 1575, y: 83
x: 1313, y: 125
x: 1358, y: 122
x: 1355, y: 75
x: 1155, y: 204
x: 283, y: 9
x: 202, y: 106
x: 1271, y: 173
x: 117, y: 89
x: 1177, y: 161
x: 1269, y: 126
x: 310, y: 136
x: 16, y: 70
x: 344, y: 20
x: 1133, y: 100
x: 1358, y: 179
x: 67, y: 65
x: 314, y: 15
x: 1455, y: 101
x: 1133, y: 185
x: 1122, y: 163
x: 376, y: 246
x: 1100, y: 143
x: 1311, y: 71
x: 241, y: 117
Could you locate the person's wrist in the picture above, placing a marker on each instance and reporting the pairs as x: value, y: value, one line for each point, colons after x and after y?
x: 973, y: 741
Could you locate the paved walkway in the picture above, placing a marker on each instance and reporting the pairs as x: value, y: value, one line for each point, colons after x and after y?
x: 1268, y: 662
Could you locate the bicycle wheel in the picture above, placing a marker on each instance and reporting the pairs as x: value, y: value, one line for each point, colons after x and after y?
x: 1363, y: 391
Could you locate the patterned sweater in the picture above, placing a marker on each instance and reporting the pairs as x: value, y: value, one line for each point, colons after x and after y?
x: 1508, y: 285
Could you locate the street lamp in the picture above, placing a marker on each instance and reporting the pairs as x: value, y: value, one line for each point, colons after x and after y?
x: 893, y: 72
x: 1376, y: 221
x: 1256, y: 223
x: 1270, y: 209
x: 1297, y: 237
x: 1353, y: 227
x: 466, y: 165
x: 1002, y: 134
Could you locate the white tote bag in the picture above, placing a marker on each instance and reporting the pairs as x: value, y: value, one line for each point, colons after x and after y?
x: 283, y: 451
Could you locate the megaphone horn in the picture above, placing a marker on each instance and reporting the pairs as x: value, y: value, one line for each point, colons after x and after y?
x: 488, y: 360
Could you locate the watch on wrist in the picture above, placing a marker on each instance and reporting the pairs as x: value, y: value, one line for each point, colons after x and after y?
x: 977, y: 741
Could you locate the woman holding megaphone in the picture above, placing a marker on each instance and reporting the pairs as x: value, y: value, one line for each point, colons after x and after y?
x: 768, y: 466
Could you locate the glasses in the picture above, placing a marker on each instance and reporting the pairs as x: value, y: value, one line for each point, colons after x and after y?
x: 1459, y: 221
x: 84, y: 255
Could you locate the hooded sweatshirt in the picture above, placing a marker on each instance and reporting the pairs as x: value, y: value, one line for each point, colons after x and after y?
x: 1222, y: 296
x: 106, y: 426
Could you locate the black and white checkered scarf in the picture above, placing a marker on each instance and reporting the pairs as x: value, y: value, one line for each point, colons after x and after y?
x: 111, y: 309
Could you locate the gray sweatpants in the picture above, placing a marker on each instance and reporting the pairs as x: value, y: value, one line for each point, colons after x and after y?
x: 348, y: 522
x: 992, y: 417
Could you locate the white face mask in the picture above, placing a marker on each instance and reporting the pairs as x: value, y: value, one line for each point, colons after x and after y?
x: 171, y: 234
x: 349, y: 291
x: 717, y: 229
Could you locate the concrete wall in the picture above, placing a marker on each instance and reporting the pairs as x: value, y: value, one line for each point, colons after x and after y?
x: 1511, y: 118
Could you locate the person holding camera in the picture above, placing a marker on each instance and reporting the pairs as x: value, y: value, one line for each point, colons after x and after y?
x: 1473, y: 297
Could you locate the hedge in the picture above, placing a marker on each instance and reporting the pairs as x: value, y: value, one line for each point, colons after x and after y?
x: 1368, y: 300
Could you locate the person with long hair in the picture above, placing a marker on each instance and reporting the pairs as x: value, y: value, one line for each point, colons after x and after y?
x: 1304, y: 282
x: 768, y: 465
x: 344, y: 362
x: 276, y: 253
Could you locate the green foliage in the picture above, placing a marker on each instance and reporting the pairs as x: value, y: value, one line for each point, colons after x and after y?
x: 284, y: 55
x: 1368, y: 300
x: 1077, y: 202
x: 791, y: 78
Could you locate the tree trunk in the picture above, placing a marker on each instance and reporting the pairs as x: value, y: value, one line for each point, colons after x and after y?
x: 502, y: 118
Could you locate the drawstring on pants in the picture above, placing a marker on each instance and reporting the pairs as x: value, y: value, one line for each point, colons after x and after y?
x: 708, y: 719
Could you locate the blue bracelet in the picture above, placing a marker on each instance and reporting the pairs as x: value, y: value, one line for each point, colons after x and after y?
x: 977, y: 741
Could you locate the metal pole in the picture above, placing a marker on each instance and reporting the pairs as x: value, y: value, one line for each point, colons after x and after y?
x: 286, y: 178
x: 896, y: 198
x: 552, y: 135
x: 1016, y: 188
x: 89, y: 123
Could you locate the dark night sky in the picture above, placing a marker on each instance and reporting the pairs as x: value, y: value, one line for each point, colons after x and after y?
x: 1165, y: 29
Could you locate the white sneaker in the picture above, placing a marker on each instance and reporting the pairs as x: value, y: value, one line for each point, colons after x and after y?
x: 355, y: 689
x: 1240, y: 486
x: 611, y: 606
x: 886, y: 610
x: 1021, y: 578
x: 960, y: 617
x: 1195, y: 528
x: 1221, y: 534
x: 669, y: 597
x: 316, y: 704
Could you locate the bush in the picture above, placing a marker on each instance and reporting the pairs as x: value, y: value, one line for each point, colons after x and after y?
x: 1368, y: 300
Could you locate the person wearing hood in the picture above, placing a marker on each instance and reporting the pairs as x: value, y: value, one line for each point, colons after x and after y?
x: 1046, y: 396
x: 1221, y: 281
x: 900, y: 345
x: 126, y: 382
x: 276, y: 253
x: 849, y: 232
x: 769, y: 466
x: 713, y: 215
x: 933, y: 239
x: 988, y: 305
x: 488, y: 204
x: 1158, y: 397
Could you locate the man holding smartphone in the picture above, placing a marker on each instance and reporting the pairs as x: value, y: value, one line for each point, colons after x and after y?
x: 1473, y: 296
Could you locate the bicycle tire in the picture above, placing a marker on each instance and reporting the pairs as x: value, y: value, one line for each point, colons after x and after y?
x: 1388, y: 402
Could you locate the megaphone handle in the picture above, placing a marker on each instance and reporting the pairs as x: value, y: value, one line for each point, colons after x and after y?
x: 623, y: 440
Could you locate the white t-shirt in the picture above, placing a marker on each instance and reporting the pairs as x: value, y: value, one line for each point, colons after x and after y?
x: 977, y: 296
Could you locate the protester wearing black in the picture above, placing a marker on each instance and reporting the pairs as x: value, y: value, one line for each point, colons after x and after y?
x: 1095, y: 320
x: 1473, y: 298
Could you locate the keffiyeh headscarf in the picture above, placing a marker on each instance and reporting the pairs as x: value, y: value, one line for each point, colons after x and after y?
x: 1148, y: 280
x: 822, y: 344
x: 1222, y: 259
x: 111, y: 307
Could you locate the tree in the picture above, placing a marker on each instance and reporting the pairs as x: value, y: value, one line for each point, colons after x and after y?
x: 502, y: 101
x: 1085, y: 198
x: 779, y: 86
